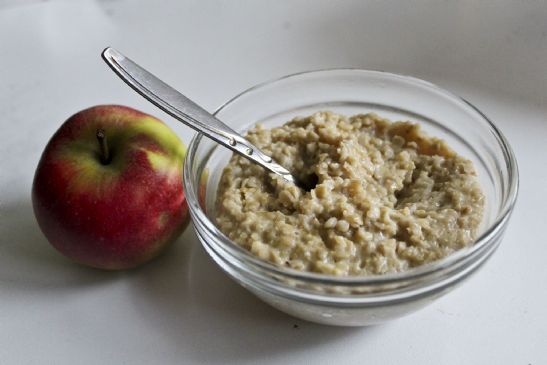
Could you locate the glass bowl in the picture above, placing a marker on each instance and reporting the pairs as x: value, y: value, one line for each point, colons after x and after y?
x: 362, y: 300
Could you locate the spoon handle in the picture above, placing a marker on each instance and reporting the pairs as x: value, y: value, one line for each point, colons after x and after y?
x: 186, y: 111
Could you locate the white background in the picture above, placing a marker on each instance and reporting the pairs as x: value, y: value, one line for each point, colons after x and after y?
x: 181, y: 308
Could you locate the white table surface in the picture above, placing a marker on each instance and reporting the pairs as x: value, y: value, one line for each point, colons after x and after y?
x: 181, y: 309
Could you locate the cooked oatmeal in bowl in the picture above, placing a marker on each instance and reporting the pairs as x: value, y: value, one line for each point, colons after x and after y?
x: 387, y: 197
x: 395, y: 217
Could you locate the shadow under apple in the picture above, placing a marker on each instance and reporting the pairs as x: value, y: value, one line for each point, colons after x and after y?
x: 29, y: 262
x: 209, y: 318
x: 182, y: 295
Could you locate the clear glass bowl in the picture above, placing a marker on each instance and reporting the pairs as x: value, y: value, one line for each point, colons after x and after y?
x: 354, y: 301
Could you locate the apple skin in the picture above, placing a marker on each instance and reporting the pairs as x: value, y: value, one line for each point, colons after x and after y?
x: 117, y: 215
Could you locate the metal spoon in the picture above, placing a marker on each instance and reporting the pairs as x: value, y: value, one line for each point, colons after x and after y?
x: 185, y: 110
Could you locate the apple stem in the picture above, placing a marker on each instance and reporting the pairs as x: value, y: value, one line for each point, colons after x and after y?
x: 105, y: 154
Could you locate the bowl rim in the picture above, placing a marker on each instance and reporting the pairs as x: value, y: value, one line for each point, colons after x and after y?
x: 379, y: 279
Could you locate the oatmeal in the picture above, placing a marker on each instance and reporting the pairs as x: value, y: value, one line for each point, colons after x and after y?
x: 387, y: 197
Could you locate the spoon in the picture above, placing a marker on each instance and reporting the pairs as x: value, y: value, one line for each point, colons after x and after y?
x: 185, y: 110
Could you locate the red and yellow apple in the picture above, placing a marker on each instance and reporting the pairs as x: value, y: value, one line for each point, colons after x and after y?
x: 108, y: 188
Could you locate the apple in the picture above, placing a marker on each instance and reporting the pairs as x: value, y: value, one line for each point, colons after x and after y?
x: 108, y: 188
